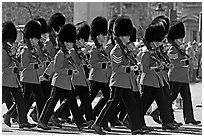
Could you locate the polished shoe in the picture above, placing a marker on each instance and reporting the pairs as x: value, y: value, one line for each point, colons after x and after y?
x: 147, y: 128
x: 169, y: 126
x: 155, y: 117
x: 27, y: 125
x: 116, y: 123
x: 7, y: 120
x: 127, y: 124
x: 177, y: 123
x: 55, y: 122
x: 14, y: 120
x: 33, y: 115
x: 44, y: 126
x: 98, y: 130
x: 106, y: 128
x: 139, y: 131
x: 68, y: 120
x: 194, y: 122
x: 87, y: 124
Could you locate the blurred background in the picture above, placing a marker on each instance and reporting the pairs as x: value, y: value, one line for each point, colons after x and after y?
x: 141, y: 13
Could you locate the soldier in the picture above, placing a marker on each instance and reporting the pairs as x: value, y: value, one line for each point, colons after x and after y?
x: 10, y: 80
x: 62, y: 80
x: 151, y: 79
x: 44, y: 56
x: 121, y: 81
x: 179, y: 76
x: 55, y: 23
x: 31, y: 63
x: 164, y: 72
x: 99, y: 61
x: 80, y: 81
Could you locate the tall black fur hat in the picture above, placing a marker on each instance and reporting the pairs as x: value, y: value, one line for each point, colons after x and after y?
x: 83, y: 30
x: 123, y: 26
x: 67, y: 33
x: 155, y: 32
x: 99, y: 26
x: 176, y: 31
x: 133, y: 36
x: 43, y: 24
x: 9, y: 31
x: 163, y: 18
x: 111, y: 23
x: 56, y: 21
x: 32, y: 29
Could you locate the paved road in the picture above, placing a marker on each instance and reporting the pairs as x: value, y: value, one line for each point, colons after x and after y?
x: 196, y: 90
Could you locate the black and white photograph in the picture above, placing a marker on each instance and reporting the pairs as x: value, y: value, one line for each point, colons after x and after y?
x: 101, y: 67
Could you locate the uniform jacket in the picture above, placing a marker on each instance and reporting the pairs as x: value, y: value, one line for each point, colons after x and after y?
x: 180, y: 71
x: 119, y: 77
x: 49, y: 70
x: 79, y: 79
x: 44, y: 60
x: 61, y: 78
x: 29, y: 74
x: 149, y: 77
x: 8, y: 77
x: 97, y: 73
x: 109, y: 46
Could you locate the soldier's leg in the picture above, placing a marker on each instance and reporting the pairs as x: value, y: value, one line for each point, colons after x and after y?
x: 187, y: 103
x: 103, y: 100
x: 83, y: 93
x: 175, y: 88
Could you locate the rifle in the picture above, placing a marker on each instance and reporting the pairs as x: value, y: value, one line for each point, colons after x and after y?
x: 33, y: 51
x: 44, y: 50
x: 82, y: 56
x: 11, y: 51
x: 180, y: 51
x: 128, y: 54
x: 102, y: 52
x: 69, y: 58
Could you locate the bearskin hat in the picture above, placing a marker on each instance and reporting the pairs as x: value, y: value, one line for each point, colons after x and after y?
x: 99, y: 26
x: 56, y: 22
x: 123, y: 26
x: 32, y: 29
x: 83, y: 30
x: 133, y: 36
x: 43, y: 24
x: 176, y: 31
x: 163, y: 18
x: 111, y: 23
x: 67, y: 33
x: 155, y: 32
x: 9, y: 31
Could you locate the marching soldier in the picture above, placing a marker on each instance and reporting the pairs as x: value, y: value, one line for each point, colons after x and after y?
x: 10, y: 81
x: 179, y: 76
x: 80, y: 81
x: 31, y: 63
x: 151, y: 78
x: 55, y: 23
x: 121, y: 81
x: 99, y: 60
x: 164, y: 72
x: 62, y: 80
x: 45, y: 58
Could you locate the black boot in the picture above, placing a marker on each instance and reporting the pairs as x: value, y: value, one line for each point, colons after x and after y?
x: 7, y: 120
x: 27, y: 125
x: 98, y: 129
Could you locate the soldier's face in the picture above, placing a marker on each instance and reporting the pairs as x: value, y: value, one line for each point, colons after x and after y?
x: 34, y: 41
x: 101, y: 38
x: 125, y: 39
x: 44, y: 37
x: 68, y: 45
